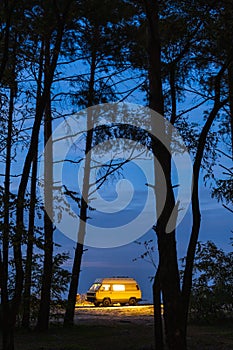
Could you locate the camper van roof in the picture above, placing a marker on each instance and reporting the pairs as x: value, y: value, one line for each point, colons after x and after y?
x: 115, y: 279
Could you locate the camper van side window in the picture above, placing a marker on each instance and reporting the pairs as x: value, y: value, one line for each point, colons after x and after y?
x: 94, y: 287
x: 105, y: 287
x: 118, y: 287
x: 130, y: 287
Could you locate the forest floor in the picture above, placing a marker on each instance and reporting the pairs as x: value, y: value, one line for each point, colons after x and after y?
x: 120, y: 328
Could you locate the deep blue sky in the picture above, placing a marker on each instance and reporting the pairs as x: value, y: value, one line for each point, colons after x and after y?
x: 102, y: 262
x: 216, y: 225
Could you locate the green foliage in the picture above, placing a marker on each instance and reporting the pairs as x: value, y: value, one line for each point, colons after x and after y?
x: 60, y: 283
x: 224, y: 190
x: 212, y: 292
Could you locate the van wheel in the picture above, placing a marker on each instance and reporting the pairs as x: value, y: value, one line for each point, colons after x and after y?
x: 106, y: 302
x: 132, y: 302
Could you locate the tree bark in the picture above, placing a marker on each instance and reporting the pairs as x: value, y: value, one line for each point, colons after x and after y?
x: 8, y: 13
x: 196, y: 214
x: 172, y: 77
x: 29, y: 254
x: 158, y: 322
x: 168, y: 273
x: 8, y: 337
x: 43, y: 316
x: 218, y: 104
x: 69, y: 314
x: 27, y: 166
x: 156, y: 100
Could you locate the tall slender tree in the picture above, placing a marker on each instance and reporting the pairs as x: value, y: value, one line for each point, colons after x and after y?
x: 32, y: 207
x: 96, y: 45
x: 167, y: 278
x: 6, y: 224
x: 61, y: 12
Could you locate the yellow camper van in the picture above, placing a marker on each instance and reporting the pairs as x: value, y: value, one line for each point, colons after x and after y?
x: 108, y: 291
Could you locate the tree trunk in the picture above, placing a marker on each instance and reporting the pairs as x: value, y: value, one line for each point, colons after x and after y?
x: 28, y: 265
x: 5, y: 51
x: 8, y: 340
x: 69, y: 315
x: 43, y: 316
x: 7, y: 331
x: 27, y: 165
x: 168, y: 272
x: 158, y: 323
x: 196, y: 214
x: 156, y: 101
x: 172, y: 76
x: 218, y: 104
x: 169, y: 276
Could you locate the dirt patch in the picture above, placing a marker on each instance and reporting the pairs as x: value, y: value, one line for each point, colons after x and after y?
x: 121, y: 328
x: 115, y: 314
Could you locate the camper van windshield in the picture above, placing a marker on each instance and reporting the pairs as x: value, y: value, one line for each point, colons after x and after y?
x: 95, y: 287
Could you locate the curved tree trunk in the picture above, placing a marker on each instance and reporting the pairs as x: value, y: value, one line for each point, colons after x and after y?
x: 175, y: 302
x: 43, y: 316
x: 158, y: 322
x: 29, y: 254
x: 7, y: 330
x: 196, y: 214
x: 19, y: 229
x: 168, y: 266
x: 69, y: 314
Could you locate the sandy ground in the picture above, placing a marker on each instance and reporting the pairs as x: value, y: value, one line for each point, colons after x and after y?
x: 110, y: 315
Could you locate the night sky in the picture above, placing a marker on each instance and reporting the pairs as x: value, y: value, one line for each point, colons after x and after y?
x: 106, y: 262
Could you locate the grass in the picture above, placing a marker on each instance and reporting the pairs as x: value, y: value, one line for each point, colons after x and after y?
x: 215, y: 337
x: 122, y: 336
x: 86, y: 337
